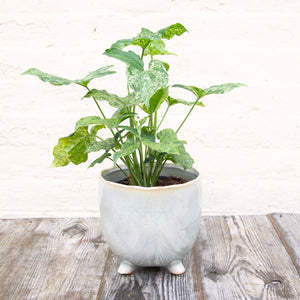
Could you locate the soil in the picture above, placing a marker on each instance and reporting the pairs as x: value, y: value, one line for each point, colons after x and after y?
x: 162, y: 180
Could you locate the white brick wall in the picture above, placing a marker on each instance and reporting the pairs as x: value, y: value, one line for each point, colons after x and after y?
x: 245, y: 143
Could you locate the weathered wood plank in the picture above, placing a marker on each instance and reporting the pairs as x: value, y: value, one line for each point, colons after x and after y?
x: 288, y: 227
x: 243, y: 258
x: 51, y: 258
x: 151, y: 283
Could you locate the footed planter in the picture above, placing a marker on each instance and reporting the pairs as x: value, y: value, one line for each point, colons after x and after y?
x: 154, y: 226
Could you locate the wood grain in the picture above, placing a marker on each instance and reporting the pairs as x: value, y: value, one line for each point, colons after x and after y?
x: 235, y: 257
x: 288, y: 227
x: 243, y: 258
x: 51, y: 259
x: 151, y: 283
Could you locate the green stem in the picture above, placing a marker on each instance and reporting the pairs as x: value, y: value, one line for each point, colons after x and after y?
x: 187, y: 115
x: 163, y: 117
x: 159, y: 171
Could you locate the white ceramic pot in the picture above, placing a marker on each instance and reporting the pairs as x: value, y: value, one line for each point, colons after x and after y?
x: 154, y: 226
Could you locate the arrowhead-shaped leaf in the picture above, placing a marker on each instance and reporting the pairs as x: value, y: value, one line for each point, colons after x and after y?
x: 129, y: 58
x: 100, y: 159
x: 72, y: 148
x: 56, y: 80
x: 112, y: 99
x: 146, y: 83
x: 222, y: 88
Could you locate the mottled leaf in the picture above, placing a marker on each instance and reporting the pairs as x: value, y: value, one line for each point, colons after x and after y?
x: 127, y: 148
x: 182, y: 157
x: 175, y: 29
x: 148, y: 139
x: 106, y: 145
x: 222, y: 88
x: 156, y: 47
x: 144, y: 37
x: 94, y: 74
x: 199, y: 93
x: 129, y: 58
x: 146, y: 83
x: 112, y: 99
x: 100, y: 159
x: 56, y: 80
x: 72, y: 148
x: 151, y: 42
x: 172, y: 101
x: 96, y: 120
x: 120, y: 44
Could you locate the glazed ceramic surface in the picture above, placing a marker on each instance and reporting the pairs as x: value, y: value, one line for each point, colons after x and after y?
x: 150, y: 226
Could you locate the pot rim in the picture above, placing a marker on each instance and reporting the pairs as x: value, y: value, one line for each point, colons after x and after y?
x: 136, y: 187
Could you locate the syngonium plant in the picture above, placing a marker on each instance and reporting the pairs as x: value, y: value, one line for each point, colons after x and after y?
x: 136, y: 138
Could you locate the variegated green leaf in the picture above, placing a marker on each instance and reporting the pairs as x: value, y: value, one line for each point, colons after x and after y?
x: 146, y: 83
x: 151, y: 42
x: 120, y: 44
x: 222, y: 88
x: 172, y: 101
x: 144, y: 37
x: 96, y: 120
x: 100, y: 159
x: 56, y: 80
x: 127, y: 148
x: 106, y: 145
x: 199, y: 93
x: 94, y: 74
x: 156, y: 47
x: 182, y: 158
x: 72, y: 148
x: 129, y: 58
x: 175, y: 29
x: 167, y: 142
x: 112, y: 99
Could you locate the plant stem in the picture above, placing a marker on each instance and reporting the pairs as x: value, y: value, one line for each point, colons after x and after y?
x: 187, y: 115
x: 163, y: 117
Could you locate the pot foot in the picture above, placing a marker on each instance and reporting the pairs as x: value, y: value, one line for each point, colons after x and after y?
x: 176, y: 267
x: 126, y: 268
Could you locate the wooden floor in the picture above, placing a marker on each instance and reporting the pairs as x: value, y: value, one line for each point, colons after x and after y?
x: 235, y: 257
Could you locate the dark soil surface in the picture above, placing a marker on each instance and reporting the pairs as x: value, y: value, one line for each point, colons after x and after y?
x: 162, y: 180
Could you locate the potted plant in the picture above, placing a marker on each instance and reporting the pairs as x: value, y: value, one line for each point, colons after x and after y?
x: 150, y: 210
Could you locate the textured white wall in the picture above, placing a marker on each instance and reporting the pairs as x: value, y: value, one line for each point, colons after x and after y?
x: 245, y: 143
